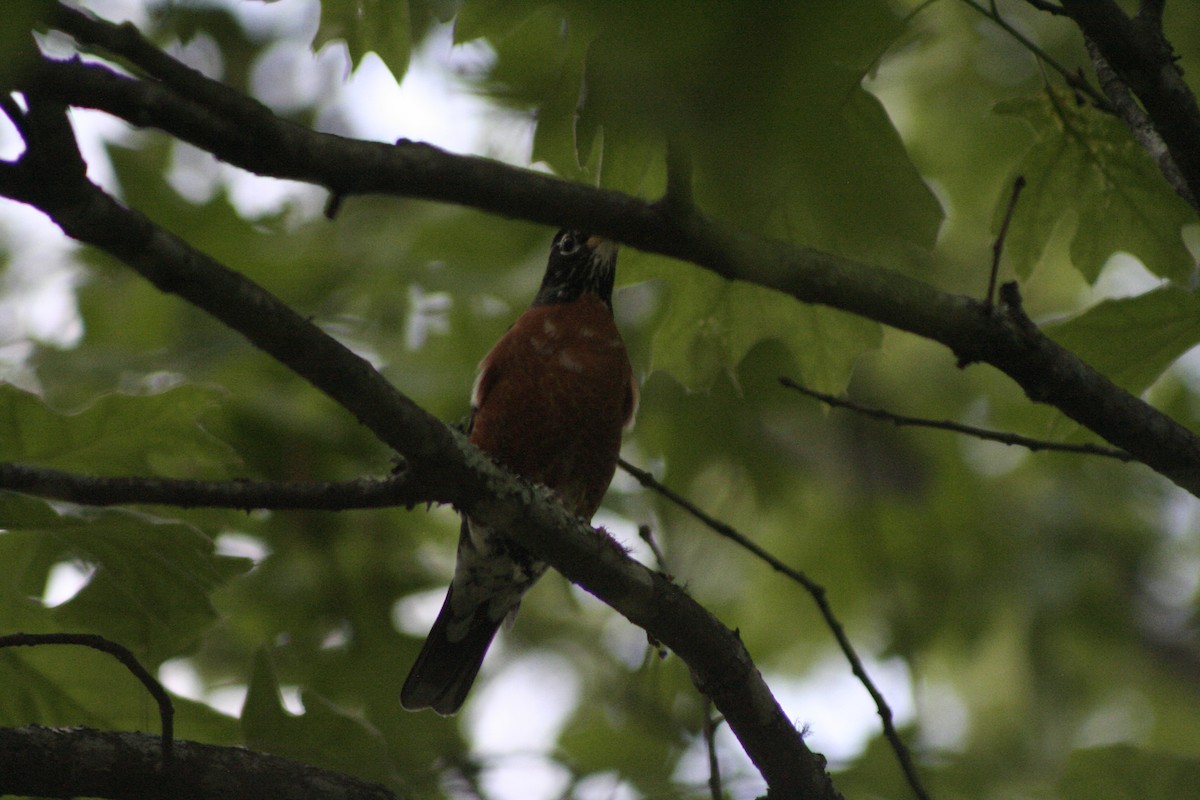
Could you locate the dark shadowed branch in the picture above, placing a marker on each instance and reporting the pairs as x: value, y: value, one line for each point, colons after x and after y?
x: 197, y: 772
x: 441, y: 465
x: 1138, y: 52
x: 1139, y: 124
x: 247, y: 135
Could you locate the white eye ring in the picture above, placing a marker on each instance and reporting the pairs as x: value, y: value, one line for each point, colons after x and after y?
x: 568, y: 245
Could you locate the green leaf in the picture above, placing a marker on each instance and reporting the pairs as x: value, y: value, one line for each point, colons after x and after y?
x: 382, y: 27
x: 539, y: 66
x: 26, y: 563
x: 604, y: 744
x: 1085, y: 164
x: 152, y: 579
x: 492, y: 19
x: 67, y: 685
x: 1125, y: 772
x: 118, y: 433
x: 805, y: 160
x: 15, y: 41
x: 149, y: 591
x: 808, y: 160
x: 324, y: 735
x: 1132, y: 340
x: 711, y: 324
x: 296, y: 262
x: 202, y: 723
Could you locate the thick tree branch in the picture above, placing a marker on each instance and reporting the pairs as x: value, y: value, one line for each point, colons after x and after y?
x: 442, y: 466
x: 127, y: 766
x: 241, y: 494
x: 1005, y: 338
x: 1137, y: 50
x: 1140, y: 125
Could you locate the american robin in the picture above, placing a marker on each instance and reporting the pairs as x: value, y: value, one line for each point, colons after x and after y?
x: 550, y: 403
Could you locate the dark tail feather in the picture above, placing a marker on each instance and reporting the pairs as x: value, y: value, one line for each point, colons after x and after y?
x: 445, y: 670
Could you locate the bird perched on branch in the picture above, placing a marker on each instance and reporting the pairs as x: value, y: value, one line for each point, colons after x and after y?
x: 550, y: 403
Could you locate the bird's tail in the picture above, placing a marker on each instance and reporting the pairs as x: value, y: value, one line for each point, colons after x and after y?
x: 445, y: 669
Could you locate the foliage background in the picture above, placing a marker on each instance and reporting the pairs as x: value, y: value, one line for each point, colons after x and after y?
x: 1032, y: 617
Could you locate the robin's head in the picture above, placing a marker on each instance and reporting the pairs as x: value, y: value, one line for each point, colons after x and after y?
x: 579, y: 263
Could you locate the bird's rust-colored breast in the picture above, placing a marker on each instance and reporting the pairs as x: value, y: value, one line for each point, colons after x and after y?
x: 553, y: 397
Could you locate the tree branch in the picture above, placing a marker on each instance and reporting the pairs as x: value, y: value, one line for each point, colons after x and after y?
x: 1134, y: 116
x: 197, y: 772
x: 710, y: 743
x: 819, y: 596
x: 166, y: 709
x: 1073, y: 79
x: 442, y: 465
x: 998, y: 244
x: 1141, y: 55
x: 93, y: 490
x: 1006, y: 339
x: 970, y: 430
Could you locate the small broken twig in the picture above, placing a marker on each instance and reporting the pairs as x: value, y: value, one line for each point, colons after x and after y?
x: 998, y: 245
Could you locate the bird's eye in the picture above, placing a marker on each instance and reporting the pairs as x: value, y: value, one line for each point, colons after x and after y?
x: 569, y: 244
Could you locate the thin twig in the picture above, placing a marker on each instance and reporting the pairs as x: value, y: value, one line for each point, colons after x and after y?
x: 998, y: 245
x: 1073, y: 79
x: 647, y: 536
x: 333, y: 205
x: 970, y: 430
x: 166, y: 710
x: 653, y: 645
x: 818, y: 594
x: 710, y: 740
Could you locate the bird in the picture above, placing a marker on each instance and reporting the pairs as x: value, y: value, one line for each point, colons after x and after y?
x: 550, y: 403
